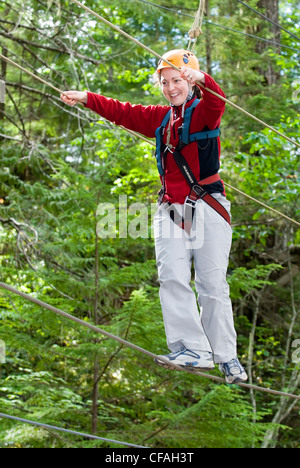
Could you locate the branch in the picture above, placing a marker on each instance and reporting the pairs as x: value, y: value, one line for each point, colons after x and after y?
x: 18, y: 227
x: 55, y: 100
x: 11, y: 120
x: 18, y: 113
x: 63, y: 50
x: 7, y: 137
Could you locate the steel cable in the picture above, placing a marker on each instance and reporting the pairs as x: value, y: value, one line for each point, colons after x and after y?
x: 135, y: 347
x: 160, y: 57
x: 137, y: 135
x: 68, y: 431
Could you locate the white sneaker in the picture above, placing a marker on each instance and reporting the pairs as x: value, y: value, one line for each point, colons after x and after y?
x: 234, y: 371
x: 187, y: 358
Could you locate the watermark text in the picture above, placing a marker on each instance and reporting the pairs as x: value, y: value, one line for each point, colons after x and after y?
x: 2, y: 352
x: 296, y: 353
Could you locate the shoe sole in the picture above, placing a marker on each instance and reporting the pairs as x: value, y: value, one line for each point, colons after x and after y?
x: 190, y: 368
x: 237, y: 381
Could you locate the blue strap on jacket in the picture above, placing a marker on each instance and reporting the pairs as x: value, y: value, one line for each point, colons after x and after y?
x: 185, y: 136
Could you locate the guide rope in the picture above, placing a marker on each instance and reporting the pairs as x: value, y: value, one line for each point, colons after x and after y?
x: 68, y: 431
x: 269, y: 20
x: 135, y: 347
x: 196, y: 29
x: 211, y: 23
x: 140, y: 44
x: 137, y: 135
x: 36, y: 77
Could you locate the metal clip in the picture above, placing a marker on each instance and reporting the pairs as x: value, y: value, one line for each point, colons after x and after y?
x: 200, y: 192
x: 169, y: 148
x: 189, y: 201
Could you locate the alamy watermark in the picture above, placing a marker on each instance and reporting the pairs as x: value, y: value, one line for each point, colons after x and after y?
x: 140, y: 220
x: 2, y: 352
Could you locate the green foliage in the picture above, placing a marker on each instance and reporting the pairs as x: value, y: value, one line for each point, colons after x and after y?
x: 220, y: 412
x: 244, y: 280
x: 58, y: 164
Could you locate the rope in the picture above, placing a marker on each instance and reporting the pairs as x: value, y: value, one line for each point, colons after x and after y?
x: 137, y: 135
x: 6, y: 59
x: 68, y: 431
x: 196, y: 29
x: 138, y: 348
x: 181, y: 13
x: 269, y: 20
x: 262, y: 204
x: 269, y: 208
x: 140, y: 44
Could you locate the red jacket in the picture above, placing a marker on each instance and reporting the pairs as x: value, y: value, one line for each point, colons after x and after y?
x: 203, y: 157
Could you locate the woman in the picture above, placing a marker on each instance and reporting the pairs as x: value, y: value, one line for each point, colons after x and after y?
x: 192, y: 223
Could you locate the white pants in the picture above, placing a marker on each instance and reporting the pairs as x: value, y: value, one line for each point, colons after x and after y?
x: 208, y: 247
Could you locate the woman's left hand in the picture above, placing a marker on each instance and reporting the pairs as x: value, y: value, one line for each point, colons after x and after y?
x: 192, y: 76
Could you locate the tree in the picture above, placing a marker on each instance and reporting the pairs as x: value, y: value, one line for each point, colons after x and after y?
x: 58, y: 164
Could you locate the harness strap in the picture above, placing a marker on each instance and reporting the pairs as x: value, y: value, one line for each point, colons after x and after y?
x: 196, y: 187
x: 204, y: 135
x: 185, y: 135
x: 197, y: 191
x: 159, y: 135
x: 210, y: 180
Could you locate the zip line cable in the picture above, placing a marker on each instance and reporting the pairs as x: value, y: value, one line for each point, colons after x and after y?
x: 209, y: 22
x: 269, y: 208
x: 137, y: 135
x: 138, y: 348
x: 140, y: 44
x: 269, y: 20
x: 11, y: 62
x: 68, y: 431
x: 262, y: 204
x: 194, y: 33
x: 101, y: 331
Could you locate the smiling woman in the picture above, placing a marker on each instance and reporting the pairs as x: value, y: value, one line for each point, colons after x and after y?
x: 187, y: 129
x: 177, y: 86
x: 183, y: 81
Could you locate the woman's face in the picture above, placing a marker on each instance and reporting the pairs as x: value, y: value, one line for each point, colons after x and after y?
x: 174, y: 88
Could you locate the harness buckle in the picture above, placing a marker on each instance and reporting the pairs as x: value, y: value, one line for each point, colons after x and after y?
x: 169, y: 148
x: 189, y: 201
x: 199, y: 191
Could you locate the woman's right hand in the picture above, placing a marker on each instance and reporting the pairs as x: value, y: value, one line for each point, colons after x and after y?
x: 73, y: 97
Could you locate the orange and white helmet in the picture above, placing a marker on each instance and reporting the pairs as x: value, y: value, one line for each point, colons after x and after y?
x: 179, y: 58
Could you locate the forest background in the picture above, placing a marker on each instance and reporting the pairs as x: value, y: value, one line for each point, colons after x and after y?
x: 58, y: 164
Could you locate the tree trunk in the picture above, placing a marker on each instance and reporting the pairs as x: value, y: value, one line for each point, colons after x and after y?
x: 2, y: 84
x: 208, y: 40
x: 271, y: 10
x: 96, y: 320
x: 95, y: 396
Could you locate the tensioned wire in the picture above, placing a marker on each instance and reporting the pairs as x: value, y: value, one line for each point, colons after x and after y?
x: 103, y: 332
x: 269, y: 20
x: 211, y: 23
x: 137, y: 42
x: 135, y: 347
x: 137, y: 135
x: 68, y: 431
x: 160, y: 57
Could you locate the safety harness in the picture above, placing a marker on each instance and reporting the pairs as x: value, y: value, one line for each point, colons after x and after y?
x: 197, y: 191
